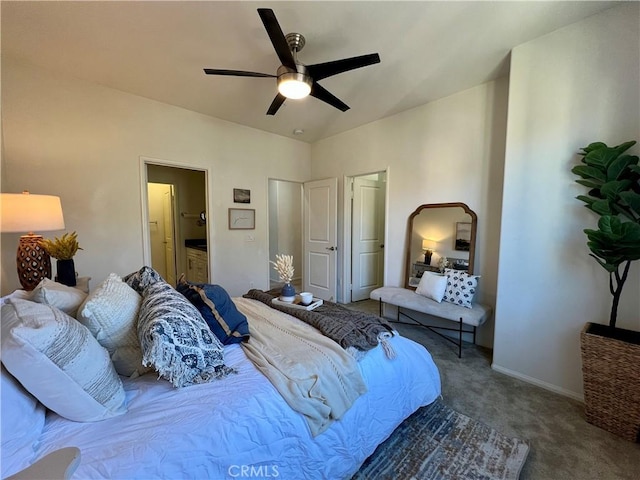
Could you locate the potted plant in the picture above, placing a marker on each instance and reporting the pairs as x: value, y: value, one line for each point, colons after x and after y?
x: 63, y: 249
x: 611, y: 355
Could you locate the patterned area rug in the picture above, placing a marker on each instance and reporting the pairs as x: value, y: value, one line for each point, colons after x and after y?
x: 438, y: 443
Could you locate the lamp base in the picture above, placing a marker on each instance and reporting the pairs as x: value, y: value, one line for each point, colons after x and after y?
x: 33, y: 261
x: 427, y: 257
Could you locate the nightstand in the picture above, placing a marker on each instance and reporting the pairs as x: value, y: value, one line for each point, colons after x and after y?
x: 420, y: 267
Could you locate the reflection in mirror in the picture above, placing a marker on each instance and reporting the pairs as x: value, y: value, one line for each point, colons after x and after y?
x: 439, y: 235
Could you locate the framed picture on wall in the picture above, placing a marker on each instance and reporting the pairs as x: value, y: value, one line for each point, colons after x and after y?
x: 463, y: 236
x: 242, y: 219
x: 241, y: 195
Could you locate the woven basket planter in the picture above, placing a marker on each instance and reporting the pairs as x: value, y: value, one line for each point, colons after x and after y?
x: 611, y: 375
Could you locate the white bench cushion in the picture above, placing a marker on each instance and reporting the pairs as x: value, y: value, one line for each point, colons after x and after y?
x: 402, y: 297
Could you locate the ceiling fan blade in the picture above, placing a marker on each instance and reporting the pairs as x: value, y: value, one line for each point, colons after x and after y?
x: 324, y: 70
x: 323, y: 94
x: 276, y: 104
x: 277, y: 37
x: 236, y: 73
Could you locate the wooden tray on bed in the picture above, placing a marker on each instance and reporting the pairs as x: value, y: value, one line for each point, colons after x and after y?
x: 296, y: 303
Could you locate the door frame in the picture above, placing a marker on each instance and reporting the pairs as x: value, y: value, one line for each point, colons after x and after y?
x: 144, y: 203
x: 344, y: 285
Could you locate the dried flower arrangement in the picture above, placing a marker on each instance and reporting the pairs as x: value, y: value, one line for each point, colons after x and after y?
x: 284, y: 266
x: 63, y: 248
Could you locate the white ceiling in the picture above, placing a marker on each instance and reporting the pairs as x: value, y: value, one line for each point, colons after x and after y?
x: 158, y: 49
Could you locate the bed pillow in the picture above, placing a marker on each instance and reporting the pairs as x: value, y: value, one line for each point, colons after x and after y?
x: 461, y: 287
x: 218, y: 310
x: 57, y: 359
x: 432, y: 286
x: 110, y: 313
x: 22, y: 424
x: 176, y: 340
x: 55, y: 294
x: 142, y: 279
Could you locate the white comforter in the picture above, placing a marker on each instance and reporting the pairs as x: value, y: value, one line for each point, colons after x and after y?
x: 241, y: 427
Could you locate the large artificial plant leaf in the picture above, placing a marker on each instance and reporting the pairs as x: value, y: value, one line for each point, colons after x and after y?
x: 632, y: 199
x: 585, y: 199
x: 590, y: 183
x: 612, y: 189
x: 590, y: 172
x: 623, y: 147
x: 601, y: 157
x: 593, y: 146
x: 618, y: 167
x: 634, y: 168
x: 601, y: 207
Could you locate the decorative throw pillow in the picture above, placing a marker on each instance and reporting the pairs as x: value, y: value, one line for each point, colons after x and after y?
x: 55, y: 294
x: 176, y: 340
x: 142, y: 279
x: 110, y: 313
x: 22, y: 424
x: 432, y: 286
x: 218, y: 310
x: 57, y: 359
x: 461, y: 287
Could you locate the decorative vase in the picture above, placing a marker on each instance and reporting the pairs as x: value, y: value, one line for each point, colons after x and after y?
x: 66, y: 272
x: 288, y: 293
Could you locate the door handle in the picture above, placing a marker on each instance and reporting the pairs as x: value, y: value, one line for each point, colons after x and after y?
x: 332, y: 248
x: 382, y: 245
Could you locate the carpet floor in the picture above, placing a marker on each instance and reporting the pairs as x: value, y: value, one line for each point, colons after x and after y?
x: 563, y: 445
x: 438, y: 443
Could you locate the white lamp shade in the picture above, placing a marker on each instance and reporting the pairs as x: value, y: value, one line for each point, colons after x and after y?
x: 428, y: 244
x: 24, y: 212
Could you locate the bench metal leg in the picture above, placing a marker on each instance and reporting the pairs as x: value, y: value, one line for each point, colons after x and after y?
x: 433, y: 328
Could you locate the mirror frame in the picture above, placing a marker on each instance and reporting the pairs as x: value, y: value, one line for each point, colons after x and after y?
x: 417, y: 211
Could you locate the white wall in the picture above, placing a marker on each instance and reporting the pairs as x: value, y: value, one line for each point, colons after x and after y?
x: 451, y: 150
x: 83, y: 142
x: 572, y: 87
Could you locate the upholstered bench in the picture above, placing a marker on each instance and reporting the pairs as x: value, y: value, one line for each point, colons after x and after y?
x: 409, y: 300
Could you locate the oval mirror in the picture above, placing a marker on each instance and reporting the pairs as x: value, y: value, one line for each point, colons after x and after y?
x: 439, y: 232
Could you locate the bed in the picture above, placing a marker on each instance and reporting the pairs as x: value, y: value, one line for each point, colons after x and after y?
x: 237, y: 426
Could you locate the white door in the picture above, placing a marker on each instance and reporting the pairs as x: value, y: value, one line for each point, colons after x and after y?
x: 169, y: 236
x: 367, y: 237
x: 321, y: 238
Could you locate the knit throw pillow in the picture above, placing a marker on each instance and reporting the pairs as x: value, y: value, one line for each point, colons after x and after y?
x: 176, y: 340
x: 461, y: 287
x: 110, y: 313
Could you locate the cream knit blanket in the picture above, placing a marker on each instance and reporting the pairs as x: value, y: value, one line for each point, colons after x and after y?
x: 315, y: 376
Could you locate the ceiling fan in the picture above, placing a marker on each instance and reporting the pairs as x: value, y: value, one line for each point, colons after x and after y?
x: 296, y: 80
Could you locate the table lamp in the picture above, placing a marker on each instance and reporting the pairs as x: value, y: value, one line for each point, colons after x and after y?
x: 23, y: 212
x: 428, y: 246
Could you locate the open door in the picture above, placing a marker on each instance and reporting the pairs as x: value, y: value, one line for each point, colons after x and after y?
x: 321, y: 238
x: 169, y: 235
x: 367, y: 239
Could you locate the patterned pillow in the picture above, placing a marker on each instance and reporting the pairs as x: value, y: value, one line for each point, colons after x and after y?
x: 55, y: 294
x: 461, y: 287
x: 218, y: 310
x: 176, y: 340
x: 110, y: 313
x: 142, y: 279
x: 59, y: 362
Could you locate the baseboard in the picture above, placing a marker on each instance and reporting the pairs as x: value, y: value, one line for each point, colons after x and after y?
x: 538, y: 383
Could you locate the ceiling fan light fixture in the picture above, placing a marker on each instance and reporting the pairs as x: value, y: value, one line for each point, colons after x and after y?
x: 294, y: 85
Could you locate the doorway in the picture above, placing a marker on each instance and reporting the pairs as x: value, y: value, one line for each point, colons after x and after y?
x: 161, y: 201
x: 175, y: 197
x: 367, y: 235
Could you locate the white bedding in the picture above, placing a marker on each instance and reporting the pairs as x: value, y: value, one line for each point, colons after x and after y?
x: 240, y: 426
